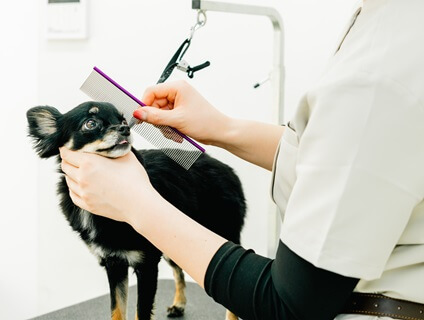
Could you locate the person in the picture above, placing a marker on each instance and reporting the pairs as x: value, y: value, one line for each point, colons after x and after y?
x: 348, y: 180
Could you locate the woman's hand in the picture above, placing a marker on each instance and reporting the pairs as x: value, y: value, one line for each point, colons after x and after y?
x: 179, y: 105
x: 108, y: 187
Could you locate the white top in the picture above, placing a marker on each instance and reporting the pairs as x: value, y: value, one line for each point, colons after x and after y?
x: 349, y: 175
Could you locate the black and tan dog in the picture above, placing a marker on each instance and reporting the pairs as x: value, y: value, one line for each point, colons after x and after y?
x: 209, y: 192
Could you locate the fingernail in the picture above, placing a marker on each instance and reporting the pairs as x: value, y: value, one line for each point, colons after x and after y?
x: 140, y: 115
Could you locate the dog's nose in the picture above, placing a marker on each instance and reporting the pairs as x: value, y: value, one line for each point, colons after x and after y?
x: 124, y: 130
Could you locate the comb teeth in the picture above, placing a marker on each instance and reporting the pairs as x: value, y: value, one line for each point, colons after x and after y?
x: 175, y: 145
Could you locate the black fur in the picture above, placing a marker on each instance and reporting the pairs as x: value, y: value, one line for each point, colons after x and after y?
x: 209, y: 192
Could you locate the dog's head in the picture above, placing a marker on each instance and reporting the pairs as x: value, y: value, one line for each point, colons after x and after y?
x: 94, y: 127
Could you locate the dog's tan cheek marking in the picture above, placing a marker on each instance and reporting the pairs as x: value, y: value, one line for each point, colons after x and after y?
x: 115, y: 153
x: 107, y: 142
x: 93, y: 146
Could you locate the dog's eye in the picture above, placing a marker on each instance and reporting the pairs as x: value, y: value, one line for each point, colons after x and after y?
x: 124, y: 122
x: 90, y: 124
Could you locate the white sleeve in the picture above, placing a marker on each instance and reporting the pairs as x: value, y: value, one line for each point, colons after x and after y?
x: 359, y: 174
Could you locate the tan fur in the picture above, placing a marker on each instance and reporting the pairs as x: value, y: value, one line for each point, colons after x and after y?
x: 117, y: 314
x: 230, y: 316
x: 106, y: 142
x: 120, y: 311
x: 94, y: 110
x: 180, y: 299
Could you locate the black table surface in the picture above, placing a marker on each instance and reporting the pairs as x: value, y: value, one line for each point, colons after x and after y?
x: 199, y: 305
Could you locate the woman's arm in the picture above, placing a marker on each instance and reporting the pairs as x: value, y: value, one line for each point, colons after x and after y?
x: 286, y: 288
x: 179, y: 105
x: 186, y: 242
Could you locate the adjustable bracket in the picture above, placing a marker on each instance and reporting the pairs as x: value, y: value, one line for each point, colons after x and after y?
x: 276, y: 77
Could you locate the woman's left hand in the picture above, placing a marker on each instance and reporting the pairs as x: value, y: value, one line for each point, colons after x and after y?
x: 107, y: 187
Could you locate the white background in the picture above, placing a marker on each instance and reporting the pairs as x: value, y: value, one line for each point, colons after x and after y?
x: 44, y: 266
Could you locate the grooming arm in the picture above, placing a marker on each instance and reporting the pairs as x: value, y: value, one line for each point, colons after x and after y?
x: 287, y: 288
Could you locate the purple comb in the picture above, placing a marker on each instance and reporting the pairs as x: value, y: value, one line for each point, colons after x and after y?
x: 174, y: 144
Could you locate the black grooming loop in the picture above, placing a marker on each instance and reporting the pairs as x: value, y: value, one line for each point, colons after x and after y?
x: 176, y: 60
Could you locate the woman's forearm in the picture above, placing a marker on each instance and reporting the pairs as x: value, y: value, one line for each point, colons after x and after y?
x: 252, y: 141
x: 187, y: 243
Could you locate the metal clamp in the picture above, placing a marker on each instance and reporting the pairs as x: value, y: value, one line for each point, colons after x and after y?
x: 176, y: 60
x: 201, y: 21
x: 277, y: 76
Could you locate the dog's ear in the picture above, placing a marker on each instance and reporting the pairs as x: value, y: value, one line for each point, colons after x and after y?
x: 43, y: 129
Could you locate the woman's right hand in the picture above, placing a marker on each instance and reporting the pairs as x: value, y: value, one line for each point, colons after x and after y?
x: 179, y: 105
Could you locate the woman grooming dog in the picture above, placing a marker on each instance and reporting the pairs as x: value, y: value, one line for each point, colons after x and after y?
x: 348, y: 180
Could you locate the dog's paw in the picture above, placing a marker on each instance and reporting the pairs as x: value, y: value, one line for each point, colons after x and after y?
x: 175, y: 312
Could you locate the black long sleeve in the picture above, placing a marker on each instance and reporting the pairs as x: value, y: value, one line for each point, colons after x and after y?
x: 287, y: 288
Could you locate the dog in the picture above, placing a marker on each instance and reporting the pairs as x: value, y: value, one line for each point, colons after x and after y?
x: 209, y: 192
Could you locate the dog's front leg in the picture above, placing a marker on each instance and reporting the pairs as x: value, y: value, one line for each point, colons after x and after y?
x: 117, y: 273
x: 147, y: 278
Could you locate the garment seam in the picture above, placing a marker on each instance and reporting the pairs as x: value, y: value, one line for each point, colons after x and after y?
x: 371, y: 268
x: 404, y: 88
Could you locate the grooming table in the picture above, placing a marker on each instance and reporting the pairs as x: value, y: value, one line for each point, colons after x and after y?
x: 199, y: 305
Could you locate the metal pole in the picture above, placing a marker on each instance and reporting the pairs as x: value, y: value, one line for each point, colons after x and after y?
x: 277, y: 78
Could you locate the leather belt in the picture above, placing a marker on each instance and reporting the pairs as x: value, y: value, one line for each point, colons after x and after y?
x: 383, y: 306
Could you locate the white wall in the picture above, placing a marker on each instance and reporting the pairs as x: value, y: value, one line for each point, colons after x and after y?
x: 132, y: 42
x: 313, y: 28
x: 18, y: 164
